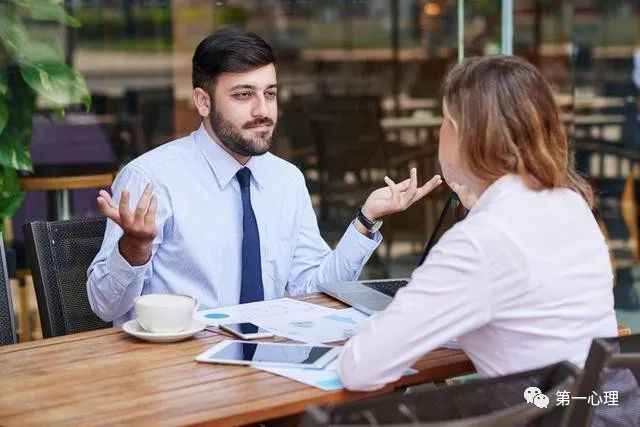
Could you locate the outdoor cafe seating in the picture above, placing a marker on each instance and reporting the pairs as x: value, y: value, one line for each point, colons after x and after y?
x: 359, y: 98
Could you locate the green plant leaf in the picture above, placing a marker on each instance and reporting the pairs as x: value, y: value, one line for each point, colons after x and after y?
x: 43, y: 72
x: 43, y: 10
x: 3, y: 81
x: 21, y: 2
x: 38, y: 52
x: 57, y: 83
x: 16, y: 39
x: 13, y: 34
x: 10, y: 194
x: 14, y: 150
x: 85, y: 99
x: 60, y: 113
x: 4, y: 114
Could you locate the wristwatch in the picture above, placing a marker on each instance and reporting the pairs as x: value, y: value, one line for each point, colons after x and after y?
x: 371, y: 226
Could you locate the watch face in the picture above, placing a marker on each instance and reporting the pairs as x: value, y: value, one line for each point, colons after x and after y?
x: 376, y: 226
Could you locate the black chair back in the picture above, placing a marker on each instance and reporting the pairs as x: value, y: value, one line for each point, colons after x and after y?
x: 294, y: 131
x: 7, y: 323
x: 349, y: 144
x: 59, y: 254
x: 613, y: 365
x: 493, y: 402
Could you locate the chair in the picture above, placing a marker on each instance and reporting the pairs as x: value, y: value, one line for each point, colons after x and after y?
x: 348, y: 142
x: 493, y: 402
x: 615, y: 197
x: 295, y: 129
x: 59, y: 253
x: 354, y: 154
x: 149, y: 117
x: 429, y: 77
x: 7, y: 325
x: 613, y: 364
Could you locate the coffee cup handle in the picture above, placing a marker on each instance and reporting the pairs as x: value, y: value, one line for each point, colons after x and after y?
x: 197, y: 305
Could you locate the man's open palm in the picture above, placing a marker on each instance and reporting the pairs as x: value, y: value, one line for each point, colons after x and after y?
x: 397, y: 197
x: 139, y: 225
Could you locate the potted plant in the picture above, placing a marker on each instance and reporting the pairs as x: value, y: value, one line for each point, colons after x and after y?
x: 33, y: 74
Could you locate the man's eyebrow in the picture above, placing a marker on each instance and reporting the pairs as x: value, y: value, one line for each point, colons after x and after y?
x: 236, y: 87
x: 251, y: 87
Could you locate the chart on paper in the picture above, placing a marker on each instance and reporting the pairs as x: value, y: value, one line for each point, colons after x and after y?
x: 285, y: 308
x: 323, y: 328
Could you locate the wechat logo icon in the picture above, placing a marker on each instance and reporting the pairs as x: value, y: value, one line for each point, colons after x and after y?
x: 535, y: 396
x: 530, y: 393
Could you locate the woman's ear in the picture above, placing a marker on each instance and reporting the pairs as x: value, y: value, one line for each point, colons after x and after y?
x: 447, y: 116
x: 202, y: 102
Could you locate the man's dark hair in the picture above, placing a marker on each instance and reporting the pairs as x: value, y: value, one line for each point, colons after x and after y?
x: 229, y: 50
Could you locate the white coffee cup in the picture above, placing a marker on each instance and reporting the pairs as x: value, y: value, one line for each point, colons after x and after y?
x: 165, y: 313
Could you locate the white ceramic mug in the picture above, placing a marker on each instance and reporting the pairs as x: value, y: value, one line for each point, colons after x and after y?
x: 165, y: 313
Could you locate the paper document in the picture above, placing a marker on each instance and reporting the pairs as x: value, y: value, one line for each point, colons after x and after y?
x: 280, y: 308
x: 325, y: 379
x: 338, y: 325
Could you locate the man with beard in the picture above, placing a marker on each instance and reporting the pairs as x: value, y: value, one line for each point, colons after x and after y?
x: 218, y: 217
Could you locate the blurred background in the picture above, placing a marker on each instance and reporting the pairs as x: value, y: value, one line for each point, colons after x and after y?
x: 358, y: 95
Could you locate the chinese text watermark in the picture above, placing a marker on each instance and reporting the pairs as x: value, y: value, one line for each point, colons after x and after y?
x: 563, y: 398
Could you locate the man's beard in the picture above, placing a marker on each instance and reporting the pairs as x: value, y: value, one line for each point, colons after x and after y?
x: 231, y: 137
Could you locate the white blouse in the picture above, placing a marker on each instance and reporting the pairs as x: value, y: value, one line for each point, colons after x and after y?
x: 523, y: 281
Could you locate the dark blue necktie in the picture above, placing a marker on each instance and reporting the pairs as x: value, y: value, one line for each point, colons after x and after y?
x: 251, y: 284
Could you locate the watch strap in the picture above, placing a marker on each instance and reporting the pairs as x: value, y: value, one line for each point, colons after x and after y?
x: 368, y: 224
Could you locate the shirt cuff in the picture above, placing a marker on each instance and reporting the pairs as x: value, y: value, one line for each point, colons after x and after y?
x: 120, y: 269
x: 355, y: 247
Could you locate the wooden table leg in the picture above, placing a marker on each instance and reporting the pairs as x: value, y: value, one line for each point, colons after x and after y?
x: 24, y: 318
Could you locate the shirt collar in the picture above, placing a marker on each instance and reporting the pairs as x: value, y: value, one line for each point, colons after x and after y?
x: 501, y: 187
x: 223, y: 165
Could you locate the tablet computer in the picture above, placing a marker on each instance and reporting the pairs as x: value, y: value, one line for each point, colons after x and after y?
x: 270, y: 354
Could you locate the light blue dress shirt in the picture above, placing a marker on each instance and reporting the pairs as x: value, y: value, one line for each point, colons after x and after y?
x: 199, y: 221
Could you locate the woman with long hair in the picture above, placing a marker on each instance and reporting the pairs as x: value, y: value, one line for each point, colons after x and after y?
x: 525, y: 279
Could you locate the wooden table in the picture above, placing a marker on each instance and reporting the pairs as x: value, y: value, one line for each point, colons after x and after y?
x: 563, y: 100
x: 409, y: 104
x: 108, y: 377
x: 427, y: 121
x: 595, y: 119
x: 58, y: 188
x: 406, y: 123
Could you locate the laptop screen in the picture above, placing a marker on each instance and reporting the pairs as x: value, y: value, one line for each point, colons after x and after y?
x: 445, y: 221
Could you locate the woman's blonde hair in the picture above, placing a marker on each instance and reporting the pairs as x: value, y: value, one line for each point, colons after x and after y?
x: 508, y: 122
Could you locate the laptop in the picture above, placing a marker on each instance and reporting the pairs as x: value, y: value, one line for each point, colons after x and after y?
x: 370, y: 296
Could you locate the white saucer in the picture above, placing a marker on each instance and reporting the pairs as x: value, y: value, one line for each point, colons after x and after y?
x: 133, y: 328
